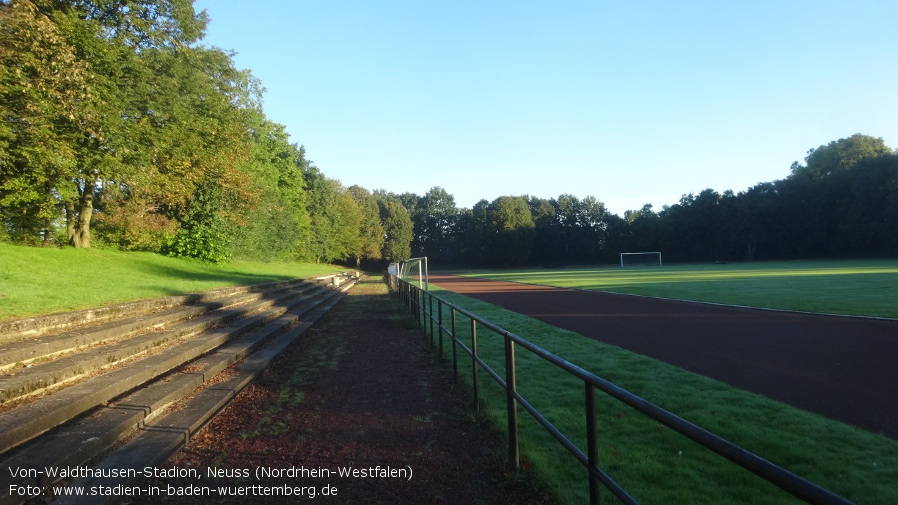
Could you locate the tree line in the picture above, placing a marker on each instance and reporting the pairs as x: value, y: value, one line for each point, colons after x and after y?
x: 841, y: 202
x: 121, y: 129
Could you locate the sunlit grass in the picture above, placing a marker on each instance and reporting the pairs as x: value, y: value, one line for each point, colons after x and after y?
x: 41, y: 280
x: 868, y: 288
x: 652, y: 462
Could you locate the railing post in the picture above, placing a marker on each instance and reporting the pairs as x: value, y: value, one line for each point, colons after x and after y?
x: 592, y: 448
x: 407, y: 297
x: 514, y: 458
x: 454, y: 351
x: 474, y: 364
x: 452, y: 316
x: 439, y: 322
x: 418, y: 306
x: 430, y: 318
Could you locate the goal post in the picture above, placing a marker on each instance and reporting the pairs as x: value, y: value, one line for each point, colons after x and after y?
x: 652, y: 258
x: 415, y: 269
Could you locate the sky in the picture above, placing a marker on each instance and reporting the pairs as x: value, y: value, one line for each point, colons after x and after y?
x: 633, y: 103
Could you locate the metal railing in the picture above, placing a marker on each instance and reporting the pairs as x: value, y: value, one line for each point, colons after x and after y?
x: 420, y: 304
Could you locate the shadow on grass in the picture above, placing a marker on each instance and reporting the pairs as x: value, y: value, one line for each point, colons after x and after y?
x: 185, y: 280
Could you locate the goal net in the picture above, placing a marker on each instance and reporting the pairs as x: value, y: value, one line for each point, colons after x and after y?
x: 414, y: 270
x: 632, y: 259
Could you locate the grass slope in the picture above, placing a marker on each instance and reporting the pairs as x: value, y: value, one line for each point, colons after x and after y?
x: 868, y: 287
x: 41, y: 280
x: 652, y: 462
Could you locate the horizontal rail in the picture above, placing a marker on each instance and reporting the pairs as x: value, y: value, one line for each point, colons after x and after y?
x: 782, y: 478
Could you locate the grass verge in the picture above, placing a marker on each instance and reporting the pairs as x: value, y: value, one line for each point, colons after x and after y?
x: 858, y: 287
x: 41, y: 280
x: 655, y: 464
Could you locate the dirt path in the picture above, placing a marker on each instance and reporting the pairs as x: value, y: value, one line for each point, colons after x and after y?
x: 364, y: 391
x: 842, y: 368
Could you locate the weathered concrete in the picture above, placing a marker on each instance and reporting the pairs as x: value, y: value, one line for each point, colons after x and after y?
x: 240, y: 333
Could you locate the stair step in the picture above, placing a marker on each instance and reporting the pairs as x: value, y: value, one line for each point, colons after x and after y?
x: 32, y: 327
x: 44, y: 375
x: 77, y: 424
x: 165, y: 435
x: 89, y: 436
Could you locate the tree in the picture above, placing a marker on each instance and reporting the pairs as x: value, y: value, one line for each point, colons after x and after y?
x: 757, y: 219
x: 335, y: 219
x: 196, y: 129
x: 477, y: 236
x: 322, y: 243
x: 582, y: 225
x: 838, y: 155
x: 547, y: 246
x: 371, y: 229
x: 115, y: 114
x: 203, y: 233
x: 692, y: 227
x: 866, y: 206
x: 280, y: 222
x: 644, y: 230
x: 397, y: 225
x: 47, y: 102
x: 146, y: 79
x: 435, y: 224
x: 511, y: 231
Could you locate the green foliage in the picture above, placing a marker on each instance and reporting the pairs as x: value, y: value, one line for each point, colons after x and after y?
x: 844, y: 203
x: 48, y: 103
x: 512, y: 227
x: 398, y: 227
x: 115, y: 114
x: 547, y: 237
x: 204, y: 229
x: 279, y: 223
x: 435, y: 217
x: 840, y: 155
x: 335, y: 219
x: 200, y: 242
x: 119, y: 125
x: 371, y: 228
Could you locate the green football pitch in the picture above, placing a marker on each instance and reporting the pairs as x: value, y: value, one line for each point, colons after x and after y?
x: 858, y: 287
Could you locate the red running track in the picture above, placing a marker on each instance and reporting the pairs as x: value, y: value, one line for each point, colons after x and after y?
x: 840, y: 367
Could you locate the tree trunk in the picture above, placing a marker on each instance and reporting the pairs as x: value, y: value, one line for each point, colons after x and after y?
x: 78, y: 224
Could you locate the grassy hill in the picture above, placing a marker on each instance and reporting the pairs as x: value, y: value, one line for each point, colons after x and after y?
x: 41, y: 280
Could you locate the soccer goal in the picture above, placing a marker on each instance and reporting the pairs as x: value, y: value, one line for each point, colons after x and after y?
x: 414, y: 270
x: 631, y: 259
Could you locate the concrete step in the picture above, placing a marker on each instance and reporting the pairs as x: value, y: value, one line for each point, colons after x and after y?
x: 31, y: 327
x: 132, y: 342
x: 165, y: 435
x: 73, y: 426
x: 18, y: 353
x: 86, y: 438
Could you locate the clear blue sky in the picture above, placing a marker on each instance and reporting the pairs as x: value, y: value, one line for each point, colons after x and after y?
x: 631, y: 102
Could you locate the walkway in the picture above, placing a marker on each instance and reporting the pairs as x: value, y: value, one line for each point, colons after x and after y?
x: 364, y: 392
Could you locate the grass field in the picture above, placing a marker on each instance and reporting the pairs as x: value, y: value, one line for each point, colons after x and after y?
x: 40, y: 280
x: 868, y: 287
x: 652, y: 462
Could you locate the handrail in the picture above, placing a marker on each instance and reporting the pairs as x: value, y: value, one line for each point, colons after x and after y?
x: 413, y: 296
